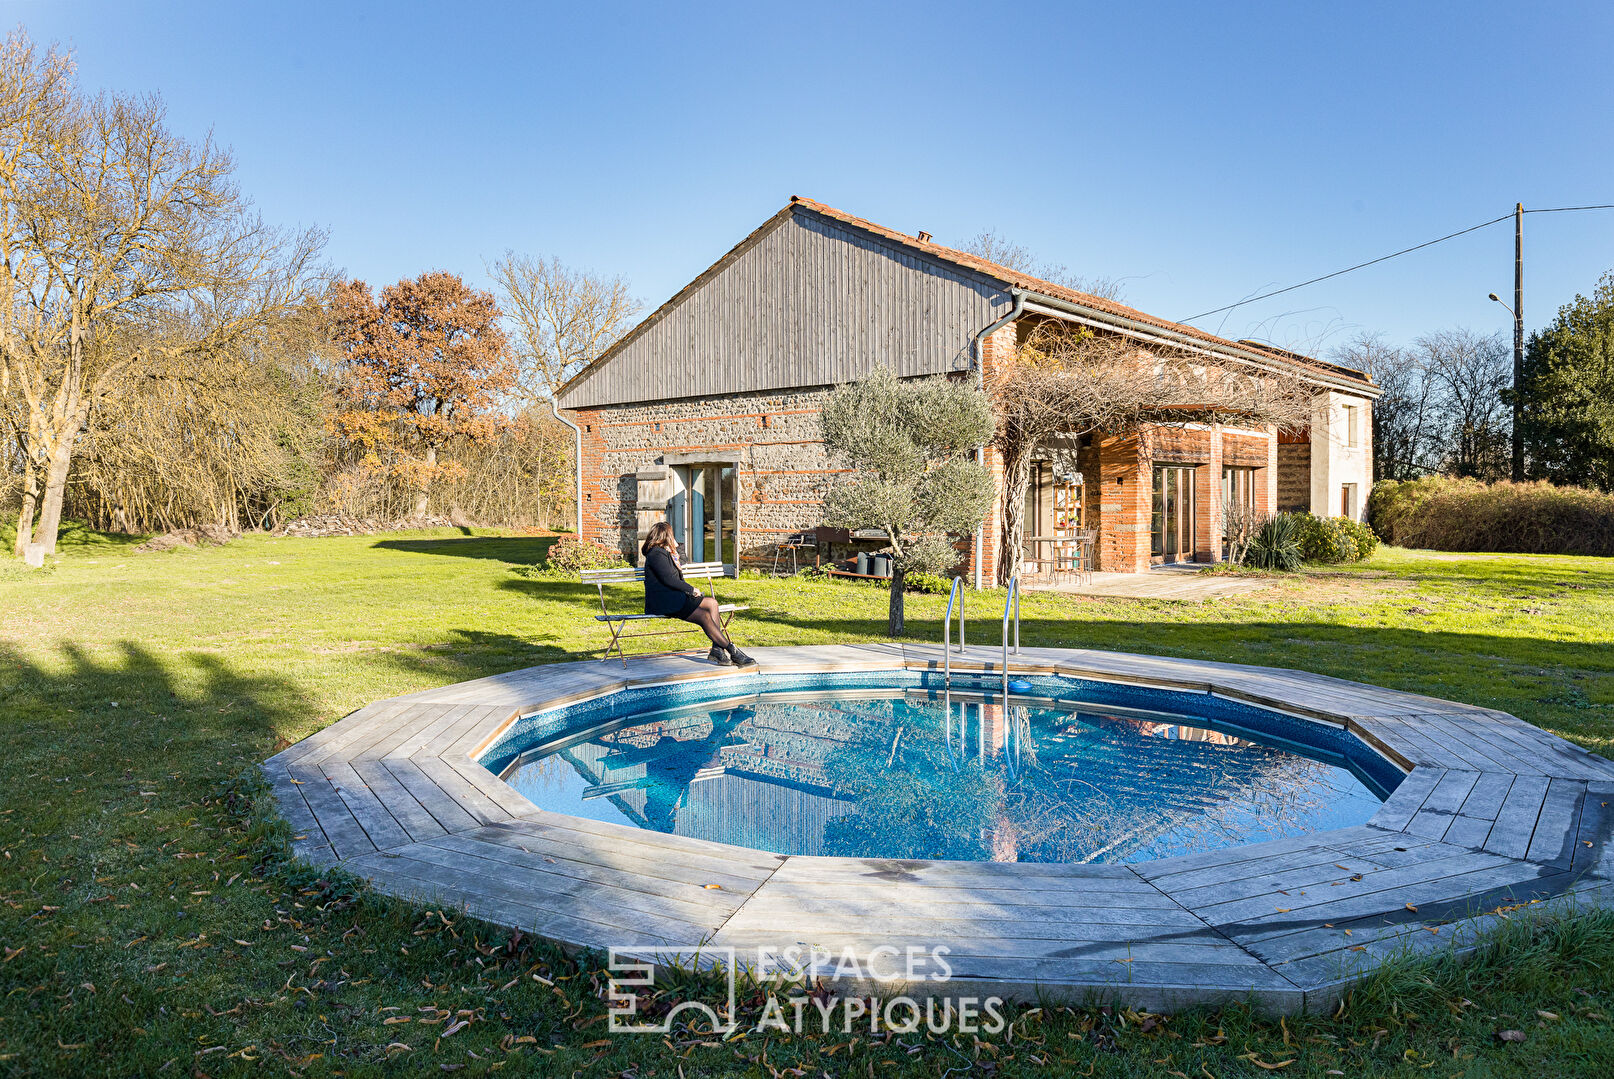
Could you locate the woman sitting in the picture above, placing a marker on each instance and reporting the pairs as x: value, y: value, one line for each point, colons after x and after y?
x: 667, y: 593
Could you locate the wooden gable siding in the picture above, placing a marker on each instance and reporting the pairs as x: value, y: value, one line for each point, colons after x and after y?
x: 811, y: 302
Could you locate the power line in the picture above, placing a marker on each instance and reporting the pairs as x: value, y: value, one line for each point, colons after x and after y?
x: 1566, y: 209
x: 1394, y: 254
x: 1348, y: 269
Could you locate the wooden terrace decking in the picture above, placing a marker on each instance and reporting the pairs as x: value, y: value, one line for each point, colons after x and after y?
x: 1493, y: 813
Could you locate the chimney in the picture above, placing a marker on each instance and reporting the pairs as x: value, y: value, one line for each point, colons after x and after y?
x: 924, y: 237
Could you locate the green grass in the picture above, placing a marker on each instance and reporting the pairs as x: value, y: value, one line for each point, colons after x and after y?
x: 152, y: 925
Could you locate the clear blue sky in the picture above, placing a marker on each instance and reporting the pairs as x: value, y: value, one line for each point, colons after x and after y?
x: 1201, y: 151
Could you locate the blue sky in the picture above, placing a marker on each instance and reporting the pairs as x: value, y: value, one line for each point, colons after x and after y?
x: 1202, y: 152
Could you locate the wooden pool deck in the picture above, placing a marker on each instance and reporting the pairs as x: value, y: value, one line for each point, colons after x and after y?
x: 1494, y: 815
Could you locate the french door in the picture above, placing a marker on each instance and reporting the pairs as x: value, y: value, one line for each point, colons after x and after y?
x: 1172, y: 520
x: 701, y: 512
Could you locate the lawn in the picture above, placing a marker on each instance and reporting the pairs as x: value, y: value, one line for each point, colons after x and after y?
x: 151, y: 924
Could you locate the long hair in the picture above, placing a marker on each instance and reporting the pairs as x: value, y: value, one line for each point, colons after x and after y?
x: 661, y: 535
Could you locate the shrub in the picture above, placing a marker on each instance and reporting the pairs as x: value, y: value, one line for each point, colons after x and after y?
x: 1275, y: 545
x: 570, y: 554
x: 1328, y: 540
x: 931, y: 584
x: 1367, y: 541
x: 1449, y: 514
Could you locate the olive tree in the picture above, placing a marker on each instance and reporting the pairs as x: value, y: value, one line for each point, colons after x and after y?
x: 908, y: 443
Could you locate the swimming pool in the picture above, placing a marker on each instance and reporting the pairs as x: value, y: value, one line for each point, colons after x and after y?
x: 897, y: 766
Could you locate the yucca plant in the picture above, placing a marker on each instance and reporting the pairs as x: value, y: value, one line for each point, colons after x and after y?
x: 1276, y: 545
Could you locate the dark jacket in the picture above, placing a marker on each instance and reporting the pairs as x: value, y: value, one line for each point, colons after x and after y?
x: 665, y: 590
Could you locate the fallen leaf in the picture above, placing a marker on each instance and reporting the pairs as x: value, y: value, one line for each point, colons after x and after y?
x: 1410, y: 907
x: 1510, y: 1035
x: 1549, y: 1016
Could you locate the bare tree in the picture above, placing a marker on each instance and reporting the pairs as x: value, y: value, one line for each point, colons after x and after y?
x: 992, y: 247
x: 1406, y: 422
x: 1468, y: 372
x: 561, y: 318
x: 130, y: 248
x: 1075, y: 382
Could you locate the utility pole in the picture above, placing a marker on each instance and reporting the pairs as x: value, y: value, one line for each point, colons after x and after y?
x: 1518, y: 342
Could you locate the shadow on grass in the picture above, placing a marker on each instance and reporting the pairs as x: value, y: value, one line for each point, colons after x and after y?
x: 513, y: 549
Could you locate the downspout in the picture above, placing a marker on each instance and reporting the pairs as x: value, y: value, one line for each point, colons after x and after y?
x: 577, y: 459
x: 1015, y: 312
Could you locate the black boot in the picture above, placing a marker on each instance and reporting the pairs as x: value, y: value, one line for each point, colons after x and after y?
x: 739, y: 658
x: 718, y: 655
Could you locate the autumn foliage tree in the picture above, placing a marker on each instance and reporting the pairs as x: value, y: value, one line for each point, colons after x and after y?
x: 424, y: 369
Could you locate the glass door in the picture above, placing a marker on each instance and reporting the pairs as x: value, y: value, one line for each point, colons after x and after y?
x: 1172, y: 518
x: 701, y: 512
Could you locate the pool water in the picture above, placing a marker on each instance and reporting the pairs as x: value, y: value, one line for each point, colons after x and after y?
x: 909, y: 774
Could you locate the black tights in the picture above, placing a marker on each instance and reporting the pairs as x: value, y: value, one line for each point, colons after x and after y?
x: 706, y: 617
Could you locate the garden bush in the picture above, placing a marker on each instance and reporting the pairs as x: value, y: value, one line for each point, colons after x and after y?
x: 1328, y: 540
x: 1443, y: 513
x: 571, y: 554
x: 1276, y: 544
x: 1367, y: 541
x: 930, y: 584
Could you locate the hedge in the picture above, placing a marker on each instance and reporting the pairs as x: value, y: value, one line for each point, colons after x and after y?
x: 1447, y: 514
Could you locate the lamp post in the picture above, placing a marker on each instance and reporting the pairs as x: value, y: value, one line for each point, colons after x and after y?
x: 1517, y: 311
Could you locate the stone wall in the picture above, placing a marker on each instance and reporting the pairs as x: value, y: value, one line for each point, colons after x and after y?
x: 1294, y: 477
x: 782, y: 469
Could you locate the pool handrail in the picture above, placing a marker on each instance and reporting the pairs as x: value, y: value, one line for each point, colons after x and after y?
x: 1014, y: 598
x: 957, y: 593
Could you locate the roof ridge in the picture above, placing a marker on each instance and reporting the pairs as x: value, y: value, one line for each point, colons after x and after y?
x: 1020, y: 279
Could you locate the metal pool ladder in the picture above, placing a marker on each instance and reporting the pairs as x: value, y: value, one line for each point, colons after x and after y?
x: 1012, y: 598
x: 957, y: 594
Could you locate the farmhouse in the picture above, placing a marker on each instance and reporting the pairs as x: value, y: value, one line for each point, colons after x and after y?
x: 706, y: 413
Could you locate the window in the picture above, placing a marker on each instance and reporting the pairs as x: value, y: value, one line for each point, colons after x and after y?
x: 1238, y: 495
x: 1347, y: 500
x: 1171, y: 523
x: 1353, y: 425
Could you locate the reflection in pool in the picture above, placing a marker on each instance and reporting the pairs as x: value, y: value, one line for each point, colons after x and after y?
x: 889, y: 774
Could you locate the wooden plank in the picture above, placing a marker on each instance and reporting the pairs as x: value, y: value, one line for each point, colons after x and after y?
x: 892, y: 900
x: 293, y: 807
x: 612, y: 908
x: 342, y: 830
x: 437, y: 886
x: 1212, y: 951
x: 1217, y: 861
x: 445, y: 809
x: 617, y: 879
x: 1470, y: 832
x: 1454, y: 895
x: 1553, y: 842
x: 376, y: 819
x: 1485, y: 800
x: 1404, y: 803
x: 1439, y: 917
x: 1245, y: 913
x: 403, y: 806
x: 461, y: 790
x: 1437, y: 811
x: 1027, y: 876
x: 584, y: 854
x: 1516, y: 823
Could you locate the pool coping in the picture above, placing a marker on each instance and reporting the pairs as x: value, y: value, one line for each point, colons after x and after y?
x: 1494, y: 815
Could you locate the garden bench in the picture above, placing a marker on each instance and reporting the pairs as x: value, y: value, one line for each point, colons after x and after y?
x: 616, y: 623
